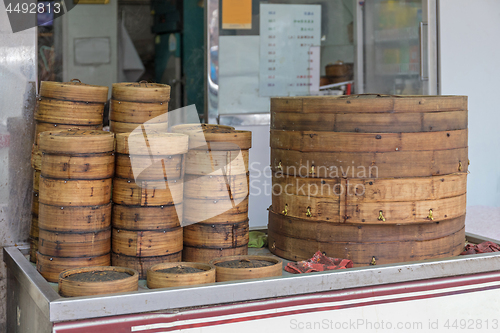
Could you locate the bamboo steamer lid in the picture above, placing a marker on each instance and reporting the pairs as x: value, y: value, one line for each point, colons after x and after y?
x: 75, y: 141
x: 156, y: 279
x: 62, y: 112
x: 141, y: 264
x: 146, y: 218
x: 230, y: 274
x: 121, y: 127
x: 141, y: 92
x: 75, y: 219
x: 90, y: 166
x: 197, y: 254
x: 60, y: 192
x: 74, y: 91
x: 147, y: 243
x: 44, y: 127
x: 71, y: 244
x: 132, y: 112
x: 171, y: 166
x: 50, y: 267
x: 368, y: 103
x: 147, y: 193
x: 154, y: 143
x: 69, y: 287
x: 215, y: 137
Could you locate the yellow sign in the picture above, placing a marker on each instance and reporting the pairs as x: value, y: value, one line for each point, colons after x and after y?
x: 236, y: 14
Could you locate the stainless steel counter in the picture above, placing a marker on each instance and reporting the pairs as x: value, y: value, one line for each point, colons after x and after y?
x: 33, y: 303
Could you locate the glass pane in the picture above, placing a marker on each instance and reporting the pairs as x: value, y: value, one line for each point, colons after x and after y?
x: 392, y: 47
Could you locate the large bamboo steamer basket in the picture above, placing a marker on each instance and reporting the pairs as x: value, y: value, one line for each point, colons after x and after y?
x: 414, y: 178
x: 147, y: 218
x: 71, y: 288
x: 216, y: 236
x: 50, y: 267
x: 147, y: 193
x: 60, y: 192
x: 216, y: 187
x: 217, y: 162
x: 141, y: 92
x: 370, y: 122
x: 121, y: 127
x: 231, y: 212
x: 157, y: 279
x: 141, y: 264
x: 365, y: 244
x: 74, y: 244
x: 76, y: 141
x: 56, y: 111
x: 164, y: 167
x: 215, y: 137
x: 75, y: 219
x: 399, y: 200
x: 46, y: 127
x: 224, y: 274
x: 74, y: 91
x: 205, y: 255
x: 147, y: 243
x: 156, y: 143
x: 138, y: 113
x: 83, y: 166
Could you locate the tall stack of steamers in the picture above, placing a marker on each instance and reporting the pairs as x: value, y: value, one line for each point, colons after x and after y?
x: 375, y: 179
x: 118, y: 199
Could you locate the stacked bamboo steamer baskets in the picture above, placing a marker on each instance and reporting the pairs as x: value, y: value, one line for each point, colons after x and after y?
x: 375, y: 179
x: 147, y: 196
x: 62, y: 106
x: 139, y: 104
x: 216, y: 188
x: 75, y: 200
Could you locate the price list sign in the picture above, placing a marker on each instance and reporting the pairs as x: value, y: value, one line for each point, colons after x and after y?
x: 289, y: 40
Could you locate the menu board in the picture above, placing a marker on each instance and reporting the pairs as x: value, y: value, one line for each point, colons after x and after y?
x: 289, y: 37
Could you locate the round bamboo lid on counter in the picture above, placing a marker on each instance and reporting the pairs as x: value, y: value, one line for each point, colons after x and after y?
x: 97, y: 280
x: 141, y: 92
x: 74, y: 91
x: 177, y: 274
x: 76, y: 141
x: 215, y: 137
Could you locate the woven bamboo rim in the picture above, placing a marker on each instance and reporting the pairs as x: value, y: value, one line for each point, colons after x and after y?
x: 121, y: 127
x: 75, y: 219
x: 141, y: 92
x: 215, y: 137
x: 230, y: 274
x: 74, y: 91
x: 156, y: 279
x: 162, y: 144
x: 141, y: 264
x: 75, y: 141
x: 131, y: 112
x: 69, y: 288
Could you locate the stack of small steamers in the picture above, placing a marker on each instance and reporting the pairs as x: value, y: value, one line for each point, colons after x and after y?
x: 121, y: 198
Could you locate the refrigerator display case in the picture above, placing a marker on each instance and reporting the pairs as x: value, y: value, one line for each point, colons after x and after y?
x: 396, y: 47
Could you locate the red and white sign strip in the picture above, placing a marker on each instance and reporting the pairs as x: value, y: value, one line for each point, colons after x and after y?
x: 432, y: 305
